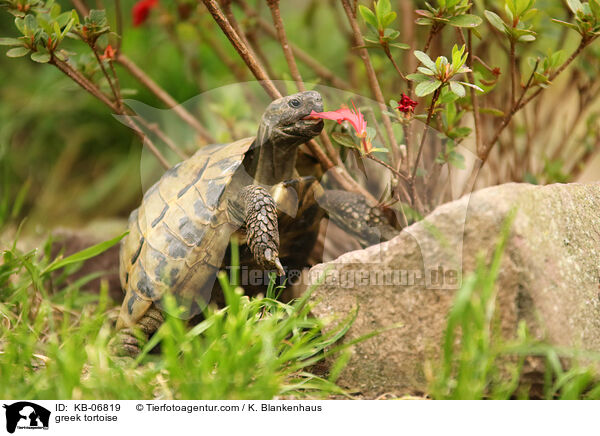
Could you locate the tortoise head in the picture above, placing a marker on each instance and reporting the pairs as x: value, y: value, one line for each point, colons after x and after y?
x: 284, y: 125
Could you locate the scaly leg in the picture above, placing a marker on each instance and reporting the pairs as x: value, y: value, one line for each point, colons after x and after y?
x: 130, y: 340
x: 258, y: 211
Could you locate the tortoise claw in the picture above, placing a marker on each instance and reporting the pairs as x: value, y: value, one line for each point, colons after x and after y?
x: 280, y: 270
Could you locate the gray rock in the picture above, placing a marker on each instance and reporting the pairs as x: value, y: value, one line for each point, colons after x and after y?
x: 549, y: 278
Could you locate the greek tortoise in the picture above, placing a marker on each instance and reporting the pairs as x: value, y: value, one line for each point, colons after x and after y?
x: 179, y: 235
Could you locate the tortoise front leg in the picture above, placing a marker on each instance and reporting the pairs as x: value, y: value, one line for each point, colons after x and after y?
x: 260, y: 217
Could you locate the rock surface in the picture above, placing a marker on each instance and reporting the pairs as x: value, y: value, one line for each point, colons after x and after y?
x: 549, y: 278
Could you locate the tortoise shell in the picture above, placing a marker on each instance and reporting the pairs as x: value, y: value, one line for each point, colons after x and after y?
x: 179, y: 235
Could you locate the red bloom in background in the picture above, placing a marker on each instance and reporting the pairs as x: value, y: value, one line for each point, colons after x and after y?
x: 141, y: 10
x: 354, y: 117
x: 406, y: 104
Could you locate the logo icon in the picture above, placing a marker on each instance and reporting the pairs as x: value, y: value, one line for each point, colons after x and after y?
x: 26, y: 415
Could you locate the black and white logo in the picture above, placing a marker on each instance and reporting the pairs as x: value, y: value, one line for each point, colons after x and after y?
x: 26, y: 415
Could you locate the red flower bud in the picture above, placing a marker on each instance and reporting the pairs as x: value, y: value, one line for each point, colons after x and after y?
x: 109, y: 53
x: 406, y: 104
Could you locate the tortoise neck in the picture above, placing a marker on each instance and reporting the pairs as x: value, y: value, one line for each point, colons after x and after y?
x: 272, y: 164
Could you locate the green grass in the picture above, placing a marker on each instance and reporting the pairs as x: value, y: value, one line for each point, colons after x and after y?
x: 478, y: 363
x: 55, y: 342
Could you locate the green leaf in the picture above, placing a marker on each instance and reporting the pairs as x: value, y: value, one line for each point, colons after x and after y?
x: 494, y: 20
x: 40, y: 57
x: 371, y: 133
x: 10, y: 41
x: 595, y: 7
x: 448, y: 97
x: 424, y: 21
x: 426, y: 71
x: 417, y: 77
x: 564, y: 23
x: 84, y: 254
x: 64, y: 18
x: 458, y: 89
x: 382, y: 8
x: 526, y: 38
x: 343, y: 139
x: 540, y: 78
x: 529, y: 14
x: 388, y: 19
x: 391, y: 33
x: 426, y: 88
x: 399, y: 45
x: 368, y: 15
x: 425, y: 60
x: 67, y: 28
x: 461, y: 132
x: 20, y: 25
x: 98, y: 17
x: 492, y: 111
x: 575, y: 5
x: 471, y: 85
x: 466, y: 20
x: 75, y: 17
x: 424, y: 13
x: 17, y: 52
x: 379, y: 150
x: 456, y: 159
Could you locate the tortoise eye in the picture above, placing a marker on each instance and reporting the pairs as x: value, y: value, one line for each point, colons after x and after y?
x: 294, y: 102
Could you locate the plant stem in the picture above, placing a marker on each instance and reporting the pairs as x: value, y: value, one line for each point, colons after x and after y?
x: 304, y: 57
x: 293, y: 67
x: 242, y: 49
x: 388, y: 53
x: 285, y: 45
x: 83, y: 82
x: 420, y: 150
x: 513, y: 74
x: 372, y: 77
x: 93, y: 89
x: 338, y: 173
x: 474, y: 96
x: 163, y: 95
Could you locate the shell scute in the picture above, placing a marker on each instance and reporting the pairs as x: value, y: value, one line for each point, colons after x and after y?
x: 179, y: 234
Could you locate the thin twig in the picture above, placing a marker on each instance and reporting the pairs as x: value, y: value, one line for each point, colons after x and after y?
x: 106, y: 75
x: 242, y: 48
x: 513, y: 73
x: 83, y: 82
x: 420, y: 150
x: 305, y: 58
x: 372, y: 77
x: 389, y: 167
x: 93, y: 89
x: 285, y: 45
x: 119, y: 23
x: 293, y: 67
x: 337, y: 172
x: 163, y: 95
x: 388, y: 53
x: 522, y: 101
x: 474, y: 96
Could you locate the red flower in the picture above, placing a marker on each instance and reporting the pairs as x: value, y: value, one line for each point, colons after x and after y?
x: 354, y: 117
x: 141, y: 10
x: 109, y: 53
x: 406, y: 104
